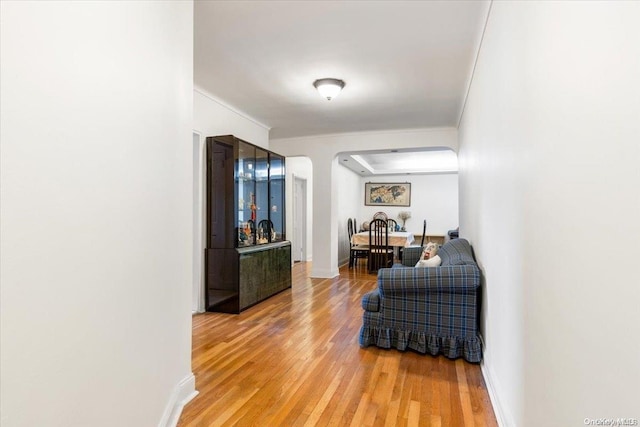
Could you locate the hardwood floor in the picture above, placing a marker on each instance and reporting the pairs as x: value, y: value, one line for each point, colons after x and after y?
x: 294, y: 359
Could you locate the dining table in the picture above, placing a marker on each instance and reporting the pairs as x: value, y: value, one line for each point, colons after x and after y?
x: 400, y: 239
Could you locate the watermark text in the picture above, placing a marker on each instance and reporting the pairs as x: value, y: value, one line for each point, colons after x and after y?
x: 614, y: 422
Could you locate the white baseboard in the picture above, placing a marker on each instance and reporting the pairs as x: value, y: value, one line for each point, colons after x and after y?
x: 182, y: 394
x: 324, y: 274
x: 502, y: 417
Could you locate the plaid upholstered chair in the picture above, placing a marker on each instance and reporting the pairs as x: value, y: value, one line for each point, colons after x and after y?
x: 428, y: 309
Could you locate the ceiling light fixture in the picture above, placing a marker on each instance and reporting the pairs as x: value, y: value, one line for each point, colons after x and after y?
x: 329, y: 88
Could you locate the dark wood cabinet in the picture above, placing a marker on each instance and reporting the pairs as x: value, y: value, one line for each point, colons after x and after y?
x: 247, y: 258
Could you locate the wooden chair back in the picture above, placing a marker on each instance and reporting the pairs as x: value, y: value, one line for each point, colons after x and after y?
x: 350, y: 228
x: 380, y: 215
x: 380, y: 253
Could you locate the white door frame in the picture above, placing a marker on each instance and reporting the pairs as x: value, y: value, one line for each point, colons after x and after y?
x: 299, y: 232
x: 199, y: 231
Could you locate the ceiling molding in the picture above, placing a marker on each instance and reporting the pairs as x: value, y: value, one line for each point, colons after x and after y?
x: 366, y: 133
x: 473, y: 68
x: 220, y: 102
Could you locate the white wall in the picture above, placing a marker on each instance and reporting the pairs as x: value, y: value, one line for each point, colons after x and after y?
x: 349, y: 202
x: 549, y: 198
x: 96, y: 212
x: 433, y: 197
x: 322, y: 151
x: 300, y: 167
x: 212, y: 117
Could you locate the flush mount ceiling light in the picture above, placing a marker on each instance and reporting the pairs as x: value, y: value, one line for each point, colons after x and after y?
x: 329, y: 88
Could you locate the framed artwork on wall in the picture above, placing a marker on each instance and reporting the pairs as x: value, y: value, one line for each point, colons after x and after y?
x: 387, y: 194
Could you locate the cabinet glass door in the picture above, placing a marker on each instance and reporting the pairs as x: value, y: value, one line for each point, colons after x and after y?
x: 246, y: 194
x: 276, y: 196
x: 263, y: 226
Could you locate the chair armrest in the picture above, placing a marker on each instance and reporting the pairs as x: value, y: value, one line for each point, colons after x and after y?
x: 449, y: 278
x: 371, y: 301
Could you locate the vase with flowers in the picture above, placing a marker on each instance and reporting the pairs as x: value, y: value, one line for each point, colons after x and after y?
x: 404, y: 216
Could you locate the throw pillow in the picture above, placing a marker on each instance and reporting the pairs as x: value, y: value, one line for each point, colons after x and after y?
x: 431, y: 262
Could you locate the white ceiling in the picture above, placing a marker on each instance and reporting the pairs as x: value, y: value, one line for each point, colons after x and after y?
x: 406, y: 64
x: 400, y: 161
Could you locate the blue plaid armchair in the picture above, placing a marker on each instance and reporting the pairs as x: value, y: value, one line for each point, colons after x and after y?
x: 427, y: 309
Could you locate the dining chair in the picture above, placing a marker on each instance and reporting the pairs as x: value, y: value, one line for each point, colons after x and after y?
x: 266, y: 225
x: 355, y: 251
x: 424, y: 232
x: 350, y: 233
x: 392, y: 224
x: 380, y: 253
x: 380, y: 215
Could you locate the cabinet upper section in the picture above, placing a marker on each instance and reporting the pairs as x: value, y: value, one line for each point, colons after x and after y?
x: 245, y: 194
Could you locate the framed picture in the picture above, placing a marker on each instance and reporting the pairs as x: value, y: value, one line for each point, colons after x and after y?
x: 387, y: 194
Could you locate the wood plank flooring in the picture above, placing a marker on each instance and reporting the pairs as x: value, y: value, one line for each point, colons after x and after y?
x: 294, y: 360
